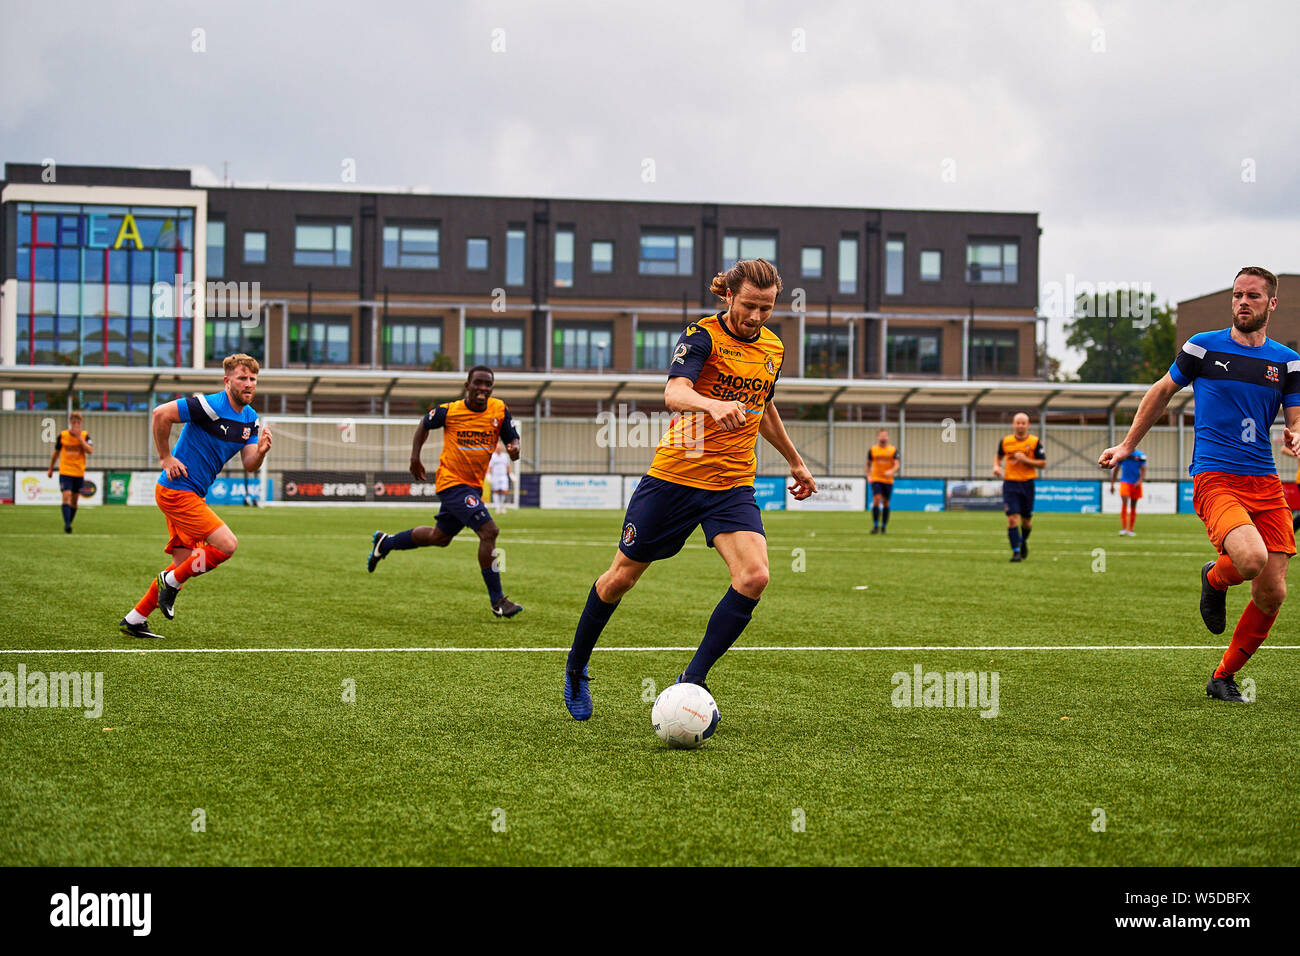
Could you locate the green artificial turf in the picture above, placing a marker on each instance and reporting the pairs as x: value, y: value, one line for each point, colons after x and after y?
x: 467, y: 757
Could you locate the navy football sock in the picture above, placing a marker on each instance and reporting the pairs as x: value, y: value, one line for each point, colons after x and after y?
x: 884, y: 516
x: 67, y: 514
x: 875, y: 514
x: 1013, y: 535
x: 1024, y: 533
x: 397, y: 542
x: 728, y: 620
x: 493, y: 581
x: 593, y: 620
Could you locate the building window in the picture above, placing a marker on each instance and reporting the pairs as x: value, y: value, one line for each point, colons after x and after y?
x: 602, y: 256
x: 412, y: 342
x: 581, y: 346
x: 255, y: 248
x: 654, y: 346
x: 320, y: 342
x: 228, y: 336
x: 826, y: 352
x: 848, y: 265
x: 515, y: 251
x: 411, y: 245
x: 666, y: 253
x: 476, y: 254
x: 992, y: 261
x: 912, y: 352
x: 564, y: 258
x: 931, y: 265
x: 496, y: 344
x: 216, y: 247
x: 748, y: 245
x: 810, y: 262
x: 994, y: 353
x: 322, y: 244
x: 86, y: 276
x: 894, y: 250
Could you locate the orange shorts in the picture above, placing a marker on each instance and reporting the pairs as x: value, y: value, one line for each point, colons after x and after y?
x: 1226, y: 501
x: 189, y: 519
x: 1133, y: 491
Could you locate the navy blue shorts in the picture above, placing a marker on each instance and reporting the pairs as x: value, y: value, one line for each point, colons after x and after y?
x: 662, y: 515
x: 72, y: 483
x: 1018, y: 498
x: 882, y: 488
x: 462, y: 507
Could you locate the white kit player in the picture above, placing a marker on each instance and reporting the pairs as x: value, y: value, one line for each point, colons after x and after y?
x: 499, y: 471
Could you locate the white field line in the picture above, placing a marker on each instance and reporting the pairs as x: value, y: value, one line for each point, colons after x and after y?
x: 637, y: 650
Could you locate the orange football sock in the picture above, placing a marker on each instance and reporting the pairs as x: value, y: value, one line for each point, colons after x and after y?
x: 1223, y: 575
x: 1132, y: 517
x: 1251, y: 631
x: 149, y: 603
x: 203, y: 559
x: 1123, y: 514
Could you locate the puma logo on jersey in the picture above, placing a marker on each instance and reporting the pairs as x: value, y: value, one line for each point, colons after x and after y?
x: 1224, y: 364
x: 224, y: 429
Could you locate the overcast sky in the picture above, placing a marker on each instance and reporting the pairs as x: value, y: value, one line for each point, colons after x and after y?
x: 1158, y: 142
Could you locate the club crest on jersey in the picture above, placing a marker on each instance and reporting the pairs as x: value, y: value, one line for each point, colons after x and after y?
x: 629, y: 533
x: 771, y: 369
x: 1270, y: 373
x: 247, y: 432
x: 471, y: 501
x: 679, y: 356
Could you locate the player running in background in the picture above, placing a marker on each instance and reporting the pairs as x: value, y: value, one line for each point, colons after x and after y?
x: 720, y: 383
x: 70, y: 453
x: 1291, y: 489
x: 499, y: 472
x: 1132, y: 471
x: 217, y: 426
x: 1241, y: 379
x: 1024, y: 456
x: 471, y: 428
x: 882, y: 467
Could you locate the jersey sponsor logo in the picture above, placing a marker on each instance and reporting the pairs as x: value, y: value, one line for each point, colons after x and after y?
x: 247, y: 432
x: 223, y: 428
x: 629, y: 533
x: 679, y: 355
x: 734, y: 353
x: 692, y: 330
x: 1224, y: 364
x: 1270, y: 373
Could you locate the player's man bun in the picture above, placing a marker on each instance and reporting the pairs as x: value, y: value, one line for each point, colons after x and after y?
x: 757, y: 272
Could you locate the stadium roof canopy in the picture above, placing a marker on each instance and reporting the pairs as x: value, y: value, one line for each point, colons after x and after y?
x: 525, y: 388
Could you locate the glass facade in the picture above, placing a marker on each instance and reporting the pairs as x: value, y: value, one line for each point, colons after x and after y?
x: 931, y: 265
x: 654, y: 347
x: 323, y: 341
x: 894, y: 252
x: 476, y: 253
x: 322, y: 244
x: 86, y: 284
x: 564, y: 259
x: 515, y: 250
x: 228, y: 336
x: 411, y: 246
x: 810, y: 262
x: 848, y: 265
x: 255, y: 248
x: 994, y: 353
x: 992, y: 262
x: 602, y: 256
x: 756, y: 245
x: 412, y: 342
x: 826, y: 352
x: 912, y: 353
x: 667, y: 254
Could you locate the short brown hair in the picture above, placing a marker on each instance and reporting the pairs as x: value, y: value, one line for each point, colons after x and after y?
x: 233, y: 362
x: 757, y: 272
x: 1269, y: 279
x: 75, y: 414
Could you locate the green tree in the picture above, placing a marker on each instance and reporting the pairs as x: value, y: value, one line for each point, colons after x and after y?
x: 1121, y: 333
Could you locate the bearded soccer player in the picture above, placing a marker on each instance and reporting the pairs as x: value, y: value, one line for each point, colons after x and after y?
x: 1024, y: 455
x: 882, y: 467
x: 216, y: 427
x: 70, y: 453
x: 1241, y: 379
x: 471, y: 427
x: 1132, y: 471
x: 720, y: 383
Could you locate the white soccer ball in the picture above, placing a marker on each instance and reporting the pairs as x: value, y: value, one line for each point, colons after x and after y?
x: 685, y: 715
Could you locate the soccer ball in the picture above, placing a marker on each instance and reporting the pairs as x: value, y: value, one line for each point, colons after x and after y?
x: 685, y: 715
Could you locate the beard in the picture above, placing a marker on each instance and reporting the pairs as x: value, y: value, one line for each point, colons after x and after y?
x: 1247, y: 325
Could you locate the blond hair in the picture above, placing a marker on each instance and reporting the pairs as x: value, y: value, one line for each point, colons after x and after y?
x: 757, y: 272
x: 233, y: 362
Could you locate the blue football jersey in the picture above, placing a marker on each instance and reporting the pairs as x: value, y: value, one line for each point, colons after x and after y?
x: 1130, y: 469
x: 213, y: 433
x: 1239, y: 391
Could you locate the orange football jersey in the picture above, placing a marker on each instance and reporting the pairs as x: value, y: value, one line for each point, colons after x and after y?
x: 695, y: 451
x: 468, y: 440
x: 882, y: 460
x: 1018, y: 470
x: 72, y: 460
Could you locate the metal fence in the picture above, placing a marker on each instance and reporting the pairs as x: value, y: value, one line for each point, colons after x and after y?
x: 590, y: 446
